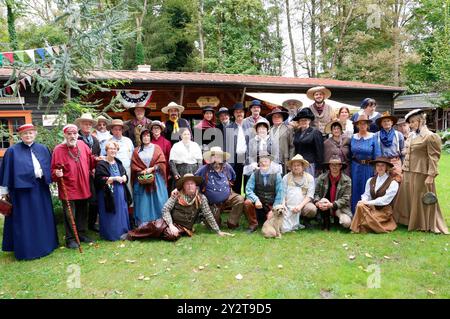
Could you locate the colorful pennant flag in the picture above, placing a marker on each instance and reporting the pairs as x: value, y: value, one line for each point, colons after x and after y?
x: 49, y: 50
x: 9, y: 56
x: 30, y: 54
x: 20, y: 55
x: 41, y: 53
x: 56, y: 49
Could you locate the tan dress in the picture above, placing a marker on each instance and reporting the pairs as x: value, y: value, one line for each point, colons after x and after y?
x: 422, y: 155
x: 370, y: 218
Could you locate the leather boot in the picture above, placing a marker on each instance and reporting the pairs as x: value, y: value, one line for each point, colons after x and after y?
x: 250, y: 213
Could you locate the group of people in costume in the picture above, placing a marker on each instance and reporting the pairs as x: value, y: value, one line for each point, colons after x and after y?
x: 143, y: 178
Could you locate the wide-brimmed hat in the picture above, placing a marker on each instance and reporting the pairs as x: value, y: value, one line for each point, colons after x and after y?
x: 327, y: 129
x: 304, y: 113
x: 413, y: 112
x: 223, y: 110
x: 145, y: 107
x: 298, y: 158
x: 101, y: 118
x: 277, y: 111
x: 26, y: 127
x: 362, y: 118
x: 386, y: 115
x: 238, y: 106
x: 215, y: 150
x: 85, y: 117
x: 117, y: 122
x: 265, y: 154
x: 172, y: 105
x: 255, y: 103
x: 324, y: 90
x: 188, y: 177
x: 335, y: 159
x: 157, y: 123
x: 298, y: 103
x: 261, y: 121
x: 382, y: 159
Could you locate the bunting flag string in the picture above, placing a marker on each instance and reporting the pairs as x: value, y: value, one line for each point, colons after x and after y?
x: 130, y: 98
x: 30, y: 54
x: 12, y: 88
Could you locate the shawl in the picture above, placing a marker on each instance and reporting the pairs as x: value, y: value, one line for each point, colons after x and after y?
x: 137, y: 165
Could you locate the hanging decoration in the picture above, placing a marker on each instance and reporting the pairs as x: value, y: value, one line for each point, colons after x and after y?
x: 130, y: 98
x: 31, y: 54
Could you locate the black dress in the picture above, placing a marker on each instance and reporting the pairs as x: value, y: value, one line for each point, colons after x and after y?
x: 309, y: 144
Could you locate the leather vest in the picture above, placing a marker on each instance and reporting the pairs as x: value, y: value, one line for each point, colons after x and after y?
x: 185, y: 215
x: 381, y: 191
x: 265, y: 193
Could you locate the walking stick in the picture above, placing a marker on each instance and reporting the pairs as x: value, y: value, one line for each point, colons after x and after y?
x: 69, y: 208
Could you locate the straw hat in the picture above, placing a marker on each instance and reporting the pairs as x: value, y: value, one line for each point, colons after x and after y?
x: 324, y: 90
x: 386, y: 115
x: 298, y: 158
x: 172, y: 105
x: 188, y: 177
x: 101, y: 118
x: 26, y: 127
x: 85, y: 117
x: 215, y: 150
x: 362, y: 118
x: 117, y: 122
x: 157, y: 123
x: 413, y: 112
x: 298, y: 103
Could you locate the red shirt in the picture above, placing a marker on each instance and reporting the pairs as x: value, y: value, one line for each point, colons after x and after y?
x: 165, y: 145
x: 76, y: 173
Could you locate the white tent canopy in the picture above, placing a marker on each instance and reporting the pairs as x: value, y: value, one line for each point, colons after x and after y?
x: 277, y: 99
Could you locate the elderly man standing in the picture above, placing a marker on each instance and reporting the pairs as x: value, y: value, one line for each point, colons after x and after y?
x: 218, y: 177
x: 293, y: 106
x: 85, y: 123
x: 249, y: 122
x: 323, y: 112
x: 140, y: 122
x: 175, y: 122
x: 183, y: 209
x: 332, y: 195
x: 263, y: 191
x: 224, y: 119
x: 73, y: 162
x: 282, y: 137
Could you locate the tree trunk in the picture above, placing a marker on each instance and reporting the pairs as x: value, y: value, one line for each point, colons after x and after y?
x: 291, y: 40
x: 339, y: 45
x: 313, y: 39
x: 200, y: 34
x: 279, y: 38
x: 11, y: 26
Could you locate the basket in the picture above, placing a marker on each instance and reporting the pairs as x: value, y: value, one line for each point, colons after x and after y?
x: 146, y: 179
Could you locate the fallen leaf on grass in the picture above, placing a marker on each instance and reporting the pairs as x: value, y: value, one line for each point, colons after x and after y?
x: 141, y: 277
x: 395, y: 242
x: 165, y: 260
x: 102, y: 261
x: 344, y: 245
x: 352, y: 257
x: 121, y: 245
x: 118, y: 292
x: 239, y: 277
x: 280, y: 266
x: 431, y: 292
x: 387, y: 257
x: 168, y: 269
x: 201, y: 267
x: 131, y: 261
x: 368, y: 255
x: 146, y: 278
x: 218, y: 266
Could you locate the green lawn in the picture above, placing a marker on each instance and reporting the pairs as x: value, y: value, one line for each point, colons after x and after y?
x: 306, y: 264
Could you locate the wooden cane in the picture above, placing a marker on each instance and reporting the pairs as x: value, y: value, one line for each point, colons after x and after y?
x: 69, y: 208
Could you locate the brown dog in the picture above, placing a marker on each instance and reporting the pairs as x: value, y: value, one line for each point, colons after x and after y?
x: 272, y: 226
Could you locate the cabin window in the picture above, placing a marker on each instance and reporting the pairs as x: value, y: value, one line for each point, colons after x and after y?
x: 9, y: 123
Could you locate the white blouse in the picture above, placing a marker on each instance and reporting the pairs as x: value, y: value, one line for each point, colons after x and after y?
x: 189, y: 153
x: 383, y: 200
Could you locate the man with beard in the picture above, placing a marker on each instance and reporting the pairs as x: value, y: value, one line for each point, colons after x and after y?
x: 293, y: 106
x: 249, y: 122
x: 236, y: 143
x: 73, y: 162
x: 323, y: 112
x: 138, y: 124
x: 175, y: 122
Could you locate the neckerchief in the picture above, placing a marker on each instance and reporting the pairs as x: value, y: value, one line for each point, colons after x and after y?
x: 387, y: 138
x: 185, y: 200
x: 319, y: 108
x: 176, y: 128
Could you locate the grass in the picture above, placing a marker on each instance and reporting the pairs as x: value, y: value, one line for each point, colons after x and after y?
x: 305, y: 264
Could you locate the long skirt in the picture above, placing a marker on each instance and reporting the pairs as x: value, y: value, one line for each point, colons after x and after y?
x: 148, y: 205
x: 367, y: 220
x: 360, y: 174
x: 113, y: 224
x: 411, y: 211
x: 30, y: 231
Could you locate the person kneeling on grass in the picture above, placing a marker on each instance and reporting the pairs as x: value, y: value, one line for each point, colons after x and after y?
x: 374, y: 210
x: 333, y: 192
x: 183, y: 209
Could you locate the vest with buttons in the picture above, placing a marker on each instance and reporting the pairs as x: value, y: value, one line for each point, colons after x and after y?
x: 265, y: 193
x: 381, y: 191
x: 185, y: 215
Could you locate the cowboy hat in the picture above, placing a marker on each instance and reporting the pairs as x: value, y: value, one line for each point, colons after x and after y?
x: 386, y: 115
x: 401, y: 121
x: 238, y: 106
x: 335, y: 159
x: 101, y: 118
x: 255, y: 103
x: 172, y: 105
x: 327, y: 129
x: 277, y: 111
x: 215, y: 150
x: 298, y: 158
x: 157, y: 123
x: 362, y: 118
x: 26, y: 127
x: 304, y: 113
x: 298, y: 103
x: 265, y: 154
x: 146, y: 108
x: 413, y: 112
x: 116, y: 122
x: 188, y: 177
x: 382, y: 159
x: 85, y: 117
x: 324, y: 90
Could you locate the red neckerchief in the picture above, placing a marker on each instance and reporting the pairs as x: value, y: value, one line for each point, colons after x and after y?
x: 333, y: 190
x: 319, y: 108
